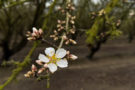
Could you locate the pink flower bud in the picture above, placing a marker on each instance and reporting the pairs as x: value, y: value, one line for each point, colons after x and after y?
x: 64, y: 37
x: 39, y: 62
x: 59, y: 21
x: 61, y: 27
x: 68, y: 52
x: 34, y: 35
x: 67, y: 42
x: 55, y: 31
x: 33, y: 68
x: 45, y: 65
x: 73, y: 57
x: 41, y: 70
x: 40, y: 31
x: 72, y: 8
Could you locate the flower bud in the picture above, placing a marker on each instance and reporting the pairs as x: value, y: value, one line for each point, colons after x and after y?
x: 41, y: 70
x: 68, y: 52
x: 31, y: 38
x: 52, y: 36
x: 45, y: 65
x: 33, y: 68
x: 72, y: 22
x: 69, y: 5
x: 27, y: 75
x: 34, y: 30
x: 40, y: 31
x: 73, y: 17
x: 64, y: 37
x: 67, y: 42
x: 59, y: 29
x: 34, y: 34
x: 72, y: 41
x: 29, y: 72
x: 39, y: 62
x: 59, y: 25
x: 59, y: 21
x: 55, y: 32
x: 72, y: 8
x: 73, y: 57
x: 55, y: 38
x: 72, y: 31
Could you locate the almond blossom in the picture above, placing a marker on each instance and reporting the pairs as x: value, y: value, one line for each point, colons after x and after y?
x: 53, y: 59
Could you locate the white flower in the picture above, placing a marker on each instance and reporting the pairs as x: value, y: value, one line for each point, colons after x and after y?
x: 53, y: 59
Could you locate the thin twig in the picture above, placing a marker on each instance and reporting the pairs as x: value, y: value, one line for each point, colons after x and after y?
x: 67, y: 25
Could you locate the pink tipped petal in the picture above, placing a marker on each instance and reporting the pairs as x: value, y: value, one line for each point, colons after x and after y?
x: 40, y: 31
x: 43, y: 58
x: 60, y: 53
x: 62, y: 63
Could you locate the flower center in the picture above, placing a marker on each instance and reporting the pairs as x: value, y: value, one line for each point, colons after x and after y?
x: 53, y: 59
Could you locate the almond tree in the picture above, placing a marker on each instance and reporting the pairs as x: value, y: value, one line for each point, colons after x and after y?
x: 15, y: 19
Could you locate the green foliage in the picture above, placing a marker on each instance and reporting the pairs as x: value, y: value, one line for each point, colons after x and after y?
x: 93, y: 32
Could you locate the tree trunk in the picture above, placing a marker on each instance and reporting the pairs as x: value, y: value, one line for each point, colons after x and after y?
x: 93, y: 50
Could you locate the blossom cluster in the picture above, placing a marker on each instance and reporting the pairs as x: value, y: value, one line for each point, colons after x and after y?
x: 35, y: 35
x: 67, y: 26
x: 51, y: 61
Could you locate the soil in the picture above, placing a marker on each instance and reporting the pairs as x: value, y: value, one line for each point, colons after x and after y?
x: 113, y: 68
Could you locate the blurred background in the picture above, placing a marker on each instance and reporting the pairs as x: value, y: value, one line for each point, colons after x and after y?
x: 105, y: 31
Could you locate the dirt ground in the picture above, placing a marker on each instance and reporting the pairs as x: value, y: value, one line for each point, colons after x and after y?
x: 113, y: 68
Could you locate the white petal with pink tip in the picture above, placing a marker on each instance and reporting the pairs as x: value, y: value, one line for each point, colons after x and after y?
x: 43, y: 58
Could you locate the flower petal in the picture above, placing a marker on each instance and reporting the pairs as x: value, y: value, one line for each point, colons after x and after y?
x: 34, y: 30
x: 52, y: 67
x: 50, y: 51
x: 60, y: 53
x: 62, y: 63
x: 43, y: 58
